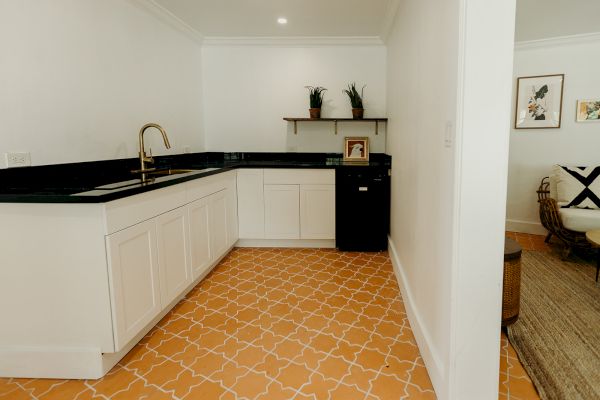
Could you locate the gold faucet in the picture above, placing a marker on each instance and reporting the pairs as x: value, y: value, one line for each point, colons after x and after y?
x: 143, y: 158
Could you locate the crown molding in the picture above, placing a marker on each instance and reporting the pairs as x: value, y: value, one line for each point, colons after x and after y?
x: 558, y: 41
x: 169, y: 18
x: 293, y: 41
x: 388, y: 21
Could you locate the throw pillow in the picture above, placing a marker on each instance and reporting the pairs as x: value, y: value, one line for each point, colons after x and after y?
x: 578, y: 186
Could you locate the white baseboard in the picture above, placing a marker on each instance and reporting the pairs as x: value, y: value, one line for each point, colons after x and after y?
x: 293, y: 243
x: 433, y: 363
x: 50, y: 362
x: 535, y: 228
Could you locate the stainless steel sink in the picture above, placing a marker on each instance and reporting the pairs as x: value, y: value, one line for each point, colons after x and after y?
x: 146, y: 177
x: 163, y: 172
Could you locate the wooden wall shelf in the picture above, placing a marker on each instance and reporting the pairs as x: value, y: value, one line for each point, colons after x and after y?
x: 335, y: 121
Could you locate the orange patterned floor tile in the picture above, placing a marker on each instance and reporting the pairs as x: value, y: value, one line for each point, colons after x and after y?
x: 276, y: 324
x: 294, y: 376
x: 344, y: 392
x: 388, y: 388
x: 205, y: 390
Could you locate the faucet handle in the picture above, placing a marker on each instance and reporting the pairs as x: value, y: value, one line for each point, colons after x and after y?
x: 150, y: 158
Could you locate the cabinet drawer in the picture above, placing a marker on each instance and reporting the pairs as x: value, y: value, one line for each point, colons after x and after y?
x: 299, y: 176
x: 129, y: 211
x: 206, y: 186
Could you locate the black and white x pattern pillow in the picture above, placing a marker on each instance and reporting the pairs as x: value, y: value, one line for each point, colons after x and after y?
x: 579, y: 186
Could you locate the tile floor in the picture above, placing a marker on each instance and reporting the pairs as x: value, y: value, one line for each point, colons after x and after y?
x: 279, y: 324
x: 269, y: 324
x: 514, y: 381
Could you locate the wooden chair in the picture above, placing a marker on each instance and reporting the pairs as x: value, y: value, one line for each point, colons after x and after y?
x: 550, y: 219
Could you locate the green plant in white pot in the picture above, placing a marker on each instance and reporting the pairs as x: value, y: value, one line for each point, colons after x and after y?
x: 356, y: 100
x: 316, y: 94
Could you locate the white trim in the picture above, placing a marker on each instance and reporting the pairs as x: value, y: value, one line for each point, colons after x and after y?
x: 558, y: 41
x: 293, y: 41
x: 291, y: 243
x: 535, y: 228
x: 388, y: 21
x: 432, y: 360
x: 169, y: 18
x: 450, y: 385
x: 50, y: 362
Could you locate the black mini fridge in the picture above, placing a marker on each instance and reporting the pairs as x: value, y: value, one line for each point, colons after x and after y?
x: 362, y: 201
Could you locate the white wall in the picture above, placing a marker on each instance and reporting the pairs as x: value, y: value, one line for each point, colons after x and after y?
x: 447, y: 227
x: 80, y: 77
x: 540, y: 19
x: 534, y: 151
x: 249, y: 89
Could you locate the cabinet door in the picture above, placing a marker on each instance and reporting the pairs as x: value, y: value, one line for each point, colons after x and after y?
x: 200, y: 236
x: 282, y: 212
x: 218, y: 228
x: 317, y: 211
x: 232, y: 214
x: 173, y: 254
x: 134, y: 278
x: 250, y: 203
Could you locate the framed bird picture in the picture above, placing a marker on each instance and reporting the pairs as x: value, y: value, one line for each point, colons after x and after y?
x: 539, y: 101
x: 356, y: 149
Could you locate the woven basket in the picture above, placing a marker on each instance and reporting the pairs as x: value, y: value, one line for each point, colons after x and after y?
x: 511, y: 290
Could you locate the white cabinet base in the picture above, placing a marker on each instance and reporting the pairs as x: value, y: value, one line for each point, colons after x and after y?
x: 111, y: 272
x: 76, y: 362
x: 291, y: 243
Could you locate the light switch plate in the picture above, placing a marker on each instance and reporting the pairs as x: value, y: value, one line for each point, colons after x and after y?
x: 448, y: 136
x: 14, y: 159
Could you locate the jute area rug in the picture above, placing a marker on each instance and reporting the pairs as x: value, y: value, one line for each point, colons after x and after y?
x: 557, y: 336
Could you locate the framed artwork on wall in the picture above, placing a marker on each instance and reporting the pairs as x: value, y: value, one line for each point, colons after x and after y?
x: 356, y: 149
x: 539, y: 101
x: 588, y: 110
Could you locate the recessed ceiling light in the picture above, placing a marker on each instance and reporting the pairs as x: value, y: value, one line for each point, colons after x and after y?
x: 282, y: 21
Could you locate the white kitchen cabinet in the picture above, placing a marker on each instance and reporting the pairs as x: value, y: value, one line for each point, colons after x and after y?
x: 199, y: 236
x: 134, y: 257
x: 251, y: 203
x: 134, y: 275
x: 282, y: 211
x: 218, y: 225
x: 317, y: 211
x: 286, y: 204
x: 173, y: 254
x: 232, y: 214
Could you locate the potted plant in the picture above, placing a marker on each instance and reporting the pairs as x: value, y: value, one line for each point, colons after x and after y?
x: 355, y: 100
x: 316, y: 94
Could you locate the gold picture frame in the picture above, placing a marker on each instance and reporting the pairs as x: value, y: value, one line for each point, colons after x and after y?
x: 588, y: 110
x: 356, y: 149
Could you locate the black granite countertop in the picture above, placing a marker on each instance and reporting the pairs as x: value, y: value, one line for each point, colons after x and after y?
x: 80, y: 182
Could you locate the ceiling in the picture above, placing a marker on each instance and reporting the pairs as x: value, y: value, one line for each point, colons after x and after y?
x: 255, y: 18
x: 541, y: 19
x: 536, y: 19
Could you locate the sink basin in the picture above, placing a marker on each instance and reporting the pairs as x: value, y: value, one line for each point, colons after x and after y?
x: 148, y: 177
x: 162, y: 172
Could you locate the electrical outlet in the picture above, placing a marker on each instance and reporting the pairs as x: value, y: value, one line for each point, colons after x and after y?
x: 18, y: 159
x: 186, y: 149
